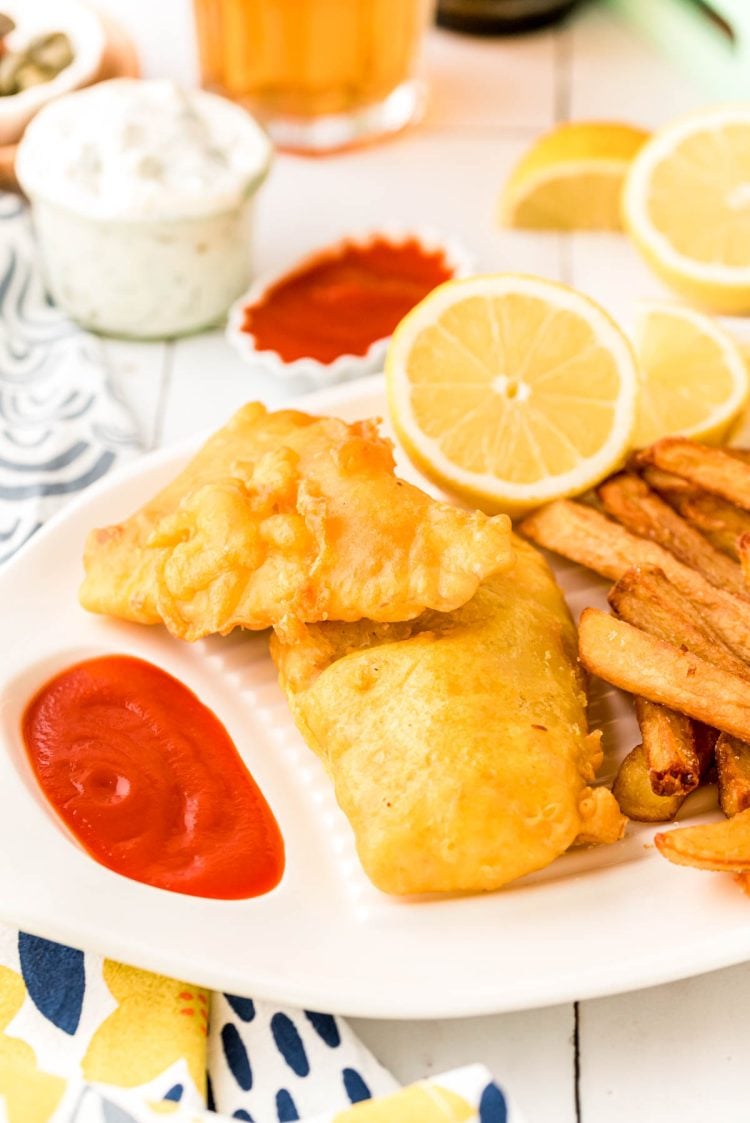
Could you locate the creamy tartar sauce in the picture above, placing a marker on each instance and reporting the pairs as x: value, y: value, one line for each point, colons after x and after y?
x: 142, y: 195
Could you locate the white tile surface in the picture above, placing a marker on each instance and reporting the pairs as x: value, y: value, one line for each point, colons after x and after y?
x: 137, y: 372
x: 532, y: 1053
x: 201, y: 393
x: 616, y: 75
x: 512, y: 86
x: 675, y: 1052
x: 449, y: 182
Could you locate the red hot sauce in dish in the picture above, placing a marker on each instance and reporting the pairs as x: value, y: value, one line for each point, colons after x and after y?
x: 342, y: 300
x: 150, y: 783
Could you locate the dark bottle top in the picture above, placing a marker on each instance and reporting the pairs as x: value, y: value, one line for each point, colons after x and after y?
x: 500, y: 17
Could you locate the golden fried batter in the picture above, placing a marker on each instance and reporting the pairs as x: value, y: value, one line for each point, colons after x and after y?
x: 283, y: 518
x: 457, y: 743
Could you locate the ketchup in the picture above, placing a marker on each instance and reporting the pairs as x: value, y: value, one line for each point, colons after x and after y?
x: 342, y: 300
x: 150, y: 783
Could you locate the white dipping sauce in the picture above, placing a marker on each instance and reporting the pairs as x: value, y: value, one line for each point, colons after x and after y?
x: 142, y: 197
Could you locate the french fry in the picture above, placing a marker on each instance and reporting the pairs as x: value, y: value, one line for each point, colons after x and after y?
x: 712, y: 469
x: 588, y: 537
x: 637, y: 799
x: 743, y: 545
x: 669, y: 748
x: 733, y: 772
x: 647, y: 600
x: 644, y: 665
x: 723, y: 846
x: 720, y: 522
x: 666, y: 483
x: 629, y: 499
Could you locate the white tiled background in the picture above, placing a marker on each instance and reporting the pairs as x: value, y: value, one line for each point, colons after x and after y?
x: 671, y: 1053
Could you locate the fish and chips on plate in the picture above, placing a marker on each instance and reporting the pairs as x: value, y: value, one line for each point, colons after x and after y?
x: 427, y: 655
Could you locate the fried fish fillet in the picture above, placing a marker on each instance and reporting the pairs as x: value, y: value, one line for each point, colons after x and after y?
x: 283, y: 518
x: 457, y: 743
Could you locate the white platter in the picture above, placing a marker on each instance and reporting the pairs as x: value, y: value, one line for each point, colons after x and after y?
x: 596, y: 922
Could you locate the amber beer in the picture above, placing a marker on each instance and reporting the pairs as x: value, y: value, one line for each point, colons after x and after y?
x: 319, y: 73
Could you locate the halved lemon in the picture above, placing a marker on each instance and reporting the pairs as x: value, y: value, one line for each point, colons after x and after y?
x: 572, y: 177
x: 694, y: 380
x: 511, y: 390
x: 686, y: 204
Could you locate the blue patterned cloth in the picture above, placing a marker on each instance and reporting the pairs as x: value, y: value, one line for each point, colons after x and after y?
x: 61, y: 424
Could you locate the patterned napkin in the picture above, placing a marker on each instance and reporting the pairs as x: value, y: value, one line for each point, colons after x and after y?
x: 61, y: 425
x: 84, y: 1039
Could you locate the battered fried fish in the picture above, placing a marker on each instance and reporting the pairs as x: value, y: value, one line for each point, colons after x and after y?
x: 282, y: 518
x: 457, y: 743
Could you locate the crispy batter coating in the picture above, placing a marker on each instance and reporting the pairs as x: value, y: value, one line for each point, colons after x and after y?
x: 457, y: 743
x: 284, y: 518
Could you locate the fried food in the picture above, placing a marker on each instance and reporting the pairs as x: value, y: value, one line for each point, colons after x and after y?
x: 723, y: 846
x: 457, y: 743
x: 588, y: 537
x: 712, y: 469
x: 637, y: 799
x: 647, y: 600
x: 283, y: 518
x: 627, y: 498
x: 641, y: 664
x: 670, y: 748
x: 720, y: 522
x: 733, y: 773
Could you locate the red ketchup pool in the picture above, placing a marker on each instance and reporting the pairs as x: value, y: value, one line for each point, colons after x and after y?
x: 149, y: 781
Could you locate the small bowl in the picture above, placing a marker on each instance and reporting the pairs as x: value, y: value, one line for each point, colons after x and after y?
x: 86, y: 32
x: 312, y: 373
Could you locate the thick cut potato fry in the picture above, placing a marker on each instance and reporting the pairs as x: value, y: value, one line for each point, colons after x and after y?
x: 723, y: 846
x: 588, y: 537
x: 647, y: 666
x: 733, y: 772
x: 720, y: 522
x: 669, y: 748
x: 647, y: 600
x: 629, y: 499
x: 743, y: 545
x: 637, y: 799
x: 666, y: 483
x: 712, y: 469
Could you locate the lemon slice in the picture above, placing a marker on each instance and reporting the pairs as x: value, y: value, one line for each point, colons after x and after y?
x: 694, y: 380
x: 686, y: 204
x: 572, y: 177
x: 511, y: 390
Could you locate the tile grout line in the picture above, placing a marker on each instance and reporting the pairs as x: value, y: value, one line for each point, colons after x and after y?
x: 577, y: 1061
x: 563, y: 73
x: 563, y: 91
x: 161, y: 405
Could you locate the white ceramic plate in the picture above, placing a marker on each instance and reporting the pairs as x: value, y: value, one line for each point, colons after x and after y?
x: 596, y: 922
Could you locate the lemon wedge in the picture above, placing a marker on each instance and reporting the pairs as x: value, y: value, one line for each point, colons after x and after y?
x: 694, y: 380
x: 511, y: 390
x: 686, y: 205
x: 572, y: 177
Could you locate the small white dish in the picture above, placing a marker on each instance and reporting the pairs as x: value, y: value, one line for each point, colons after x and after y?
x: 35, y: 17
x: 310, y: 373
x: 143, y: 198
